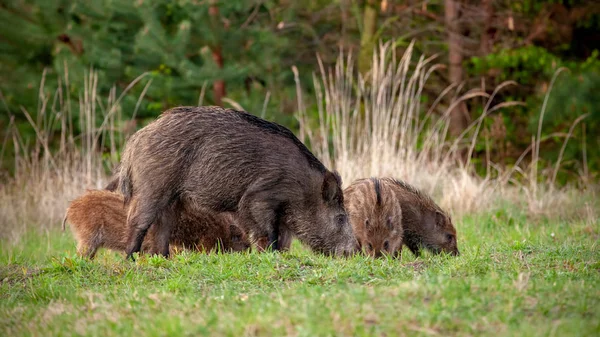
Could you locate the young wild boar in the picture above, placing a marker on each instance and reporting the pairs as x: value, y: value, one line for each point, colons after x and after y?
x: 375, y: 215
x: 425, y: 224
x: 231, y: 161
x: 190, y: 233
x: 198, y: 232
x: 99, y: 219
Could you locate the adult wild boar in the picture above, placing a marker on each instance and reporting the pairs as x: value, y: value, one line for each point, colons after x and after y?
x: 231, y: 161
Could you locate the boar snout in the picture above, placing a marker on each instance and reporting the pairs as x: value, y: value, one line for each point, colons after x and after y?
x: 350, y: 251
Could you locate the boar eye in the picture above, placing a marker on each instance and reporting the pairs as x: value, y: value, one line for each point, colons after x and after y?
x: 386, y: 245
x: 449, y: 237
x: 340, y: 219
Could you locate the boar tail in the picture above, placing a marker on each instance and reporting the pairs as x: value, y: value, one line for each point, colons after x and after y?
x: 64, y: 221
x: 125, y: 184
x: 113, y: 184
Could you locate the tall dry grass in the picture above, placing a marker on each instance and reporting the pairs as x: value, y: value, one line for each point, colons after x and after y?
x: 375, y: 126
x: 60, y: 163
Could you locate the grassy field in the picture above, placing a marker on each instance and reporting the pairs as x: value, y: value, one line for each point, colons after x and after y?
x: 513, y: 278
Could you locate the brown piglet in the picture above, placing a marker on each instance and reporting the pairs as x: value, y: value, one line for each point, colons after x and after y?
x: 425, y: 224
x: 375, y: 215
x: 99, y: 219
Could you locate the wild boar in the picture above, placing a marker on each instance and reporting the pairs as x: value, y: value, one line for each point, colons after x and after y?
x: 206, y: 230
x: 376, y: 216
x: 201, y: 235
x: 425, y: 224
x: 231, y: 161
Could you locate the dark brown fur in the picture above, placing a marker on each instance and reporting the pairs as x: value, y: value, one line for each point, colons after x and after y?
x: 425, y: 224
x: 99, y: 219
x: 231, y: 161
x: 376, y: 216
x: 199, y: 232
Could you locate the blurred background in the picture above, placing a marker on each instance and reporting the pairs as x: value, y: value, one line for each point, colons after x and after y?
x: 80, y: 76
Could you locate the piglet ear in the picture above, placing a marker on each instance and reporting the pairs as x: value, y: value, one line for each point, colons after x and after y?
x: 235, y: 231
x: 440, y: 219
x: 430, y: 221
x: 332, y: 190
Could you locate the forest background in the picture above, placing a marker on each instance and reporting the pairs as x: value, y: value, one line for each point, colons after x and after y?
x: 242, y: 54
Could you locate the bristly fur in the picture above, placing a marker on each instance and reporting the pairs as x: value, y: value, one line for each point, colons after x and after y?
x: 375, y: 215
x: 227, y: 160
x: 265, y: 125
x: 98, y: 219
x: 277, y: 129
x: 425, y: 224
x: 420, y: 195
x: 377, y: 184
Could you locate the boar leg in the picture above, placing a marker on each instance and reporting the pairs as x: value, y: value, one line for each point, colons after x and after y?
x: 86, y: 249
x: 164, y: 225
x: 285, y: 238
x: 89, y: 246
x: 259, y: 212
x: 141, y: 217
x: 260, y: 221
x: 262, y: 243
x: 413, y: 245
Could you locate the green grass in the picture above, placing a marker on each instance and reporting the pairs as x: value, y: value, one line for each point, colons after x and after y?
x: 512, y: 279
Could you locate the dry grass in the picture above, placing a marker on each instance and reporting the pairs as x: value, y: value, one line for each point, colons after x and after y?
x: 374, y: 126
x: 371, y: 126
x: 48, y: 175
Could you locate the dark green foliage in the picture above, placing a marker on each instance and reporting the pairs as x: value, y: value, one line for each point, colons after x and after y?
x: 573, y: 95
x: 121, y: 40
x: 174, y: 44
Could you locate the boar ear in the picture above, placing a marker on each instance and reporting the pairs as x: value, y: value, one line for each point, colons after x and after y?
x: 234, y: 230
x: 430, y: 220
x: 440, y: 219
x: 332, y: 191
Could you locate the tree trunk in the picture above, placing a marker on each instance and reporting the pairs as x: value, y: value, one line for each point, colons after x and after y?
x: 219, y: 90
x: 345, y: 17
x: 487, y: 34
x: 366, y: 39
x: 458, y: 115
x: 218, y: 85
